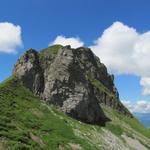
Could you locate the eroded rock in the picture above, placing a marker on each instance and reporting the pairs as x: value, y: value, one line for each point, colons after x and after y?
x: 74, y: 80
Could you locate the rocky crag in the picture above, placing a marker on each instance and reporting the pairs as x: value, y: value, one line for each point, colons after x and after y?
x: 74, y: 80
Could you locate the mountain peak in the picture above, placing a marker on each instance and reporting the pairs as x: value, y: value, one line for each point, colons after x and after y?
x: 74, y: 80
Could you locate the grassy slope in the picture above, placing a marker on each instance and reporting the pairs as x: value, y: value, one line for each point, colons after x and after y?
x: 51, y: 50
x: 27, y: 123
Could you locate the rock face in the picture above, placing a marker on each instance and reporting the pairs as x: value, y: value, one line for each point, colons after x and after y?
x: 74, y: 80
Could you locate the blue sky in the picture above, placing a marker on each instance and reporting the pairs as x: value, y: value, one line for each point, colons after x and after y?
x: 41, y: 21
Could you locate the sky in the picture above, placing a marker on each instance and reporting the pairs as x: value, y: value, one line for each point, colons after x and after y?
x: 117, y: 31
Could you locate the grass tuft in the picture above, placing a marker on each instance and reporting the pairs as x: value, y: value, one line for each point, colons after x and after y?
x: 51, y: 50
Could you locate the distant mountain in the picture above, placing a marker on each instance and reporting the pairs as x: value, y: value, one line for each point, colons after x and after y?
x: 144, y: 118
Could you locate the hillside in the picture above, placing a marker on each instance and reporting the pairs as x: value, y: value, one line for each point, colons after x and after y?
x: 30, y: 120
x: 28, y: 123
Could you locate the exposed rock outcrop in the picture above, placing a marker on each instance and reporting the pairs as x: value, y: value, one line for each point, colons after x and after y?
x: 74, y: 80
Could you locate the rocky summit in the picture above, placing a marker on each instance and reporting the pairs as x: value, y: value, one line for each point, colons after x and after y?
x: 62, y: 98
x: 73, y: 80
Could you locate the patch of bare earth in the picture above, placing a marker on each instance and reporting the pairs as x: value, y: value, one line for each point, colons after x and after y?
x: 2, y: 145
x: 133, y: 143
x: 61, y: 147
x: 37, y: 140
x: 74, y: 146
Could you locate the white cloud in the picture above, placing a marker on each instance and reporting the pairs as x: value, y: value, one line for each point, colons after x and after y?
x: 145, y: 83
x: 74, y: 42
x: 122, y: 49
x: 125, y: 51
x: 139, y: 106
x: 10, y: 37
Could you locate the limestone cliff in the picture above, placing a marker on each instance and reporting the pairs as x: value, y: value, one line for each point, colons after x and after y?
x: 74, y: 80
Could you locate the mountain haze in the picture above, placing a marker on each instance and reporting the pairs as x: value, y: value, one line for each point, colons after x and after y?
x: 144, y: 118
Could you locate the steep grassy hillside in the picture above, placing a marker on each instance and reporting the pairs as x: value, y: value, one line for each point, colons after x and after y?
x: 27, y: 123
